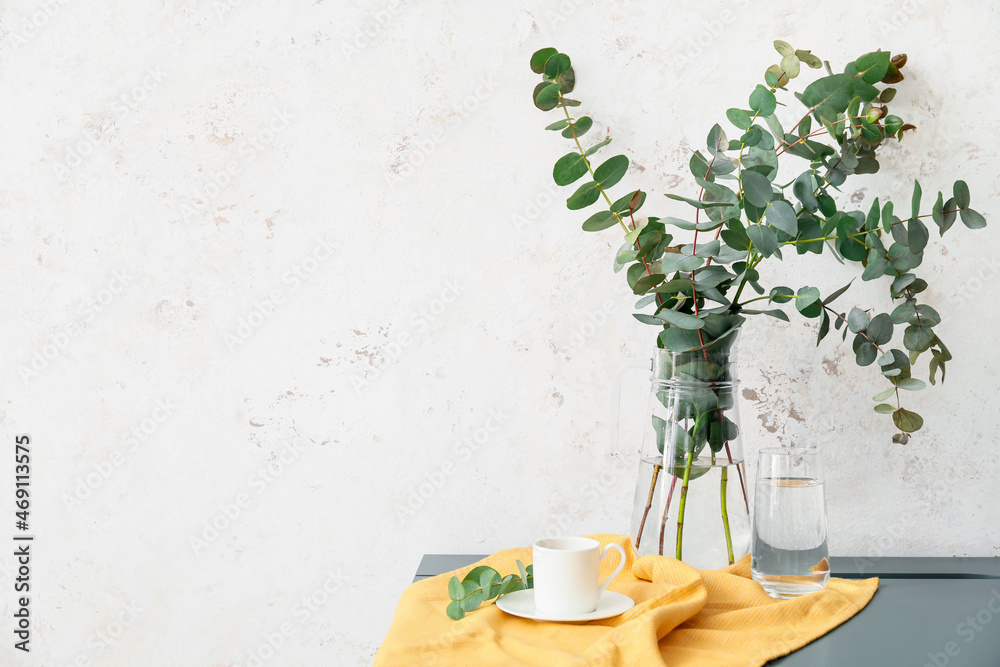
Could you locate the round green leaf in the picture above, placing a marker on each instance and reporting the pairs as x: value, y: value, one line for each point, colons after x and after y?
x: 547, y: 97
x: 907, y: 421
x: 775, y: 76
x: 611, y: 171
x: 961, y: 194
x: 455, y: 590
x: 762, y: 100
x: 472, y: 601
x: 782, y: 47
x: 679, y: 340
x: 757, y: 189
x: 872, y: 66
x: 880, y: 329
x: 805, y: 297
x: 569, y: 168
x: 808, y: 58
x: 917, y: 235
x: 780, y: 215
x: 925, y: 316
x: 486, y: 582
x: 739, y: 118
x: 790, y: 64
x: 972, y: 219
x: 917, y: 339
x: 585, y: 195
x: 865, y: 352
x: 763, y: 238
x: 556, y: 65
x: 782, y: 294
x: 455, y: 611
x: 884, y: 408
x: 645, y: 283
x: 857, y: 320
x: 539, y: 57
x: 579, y: 127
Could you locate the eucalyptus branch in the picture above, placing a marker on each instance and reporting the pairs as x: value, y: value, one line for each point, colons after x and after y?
x: 483, y: 584
x: 755, y: 220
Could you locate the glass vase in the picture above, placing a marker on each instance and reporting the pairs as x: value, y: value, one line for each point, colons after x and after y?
x: 691, y: 489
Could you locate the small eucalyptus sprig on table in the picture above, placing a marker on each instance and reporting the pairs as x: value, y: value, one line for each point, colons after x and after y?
x: 483, y: 584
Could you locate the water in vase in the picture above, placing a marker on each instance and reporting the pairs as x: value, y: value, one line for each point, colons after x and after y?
x: 704, y: 543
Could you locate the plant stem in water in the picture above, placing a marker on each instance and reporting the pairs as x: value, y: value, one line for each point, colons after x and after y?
x: 725, y: 514
x: 680, y: 509
x: 666, y: 510
x: 649, y: 503
x: 739, y: 473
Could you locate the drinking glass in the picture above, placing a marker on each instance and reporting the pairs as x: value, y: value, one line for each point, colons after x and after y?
x: 790, y: 556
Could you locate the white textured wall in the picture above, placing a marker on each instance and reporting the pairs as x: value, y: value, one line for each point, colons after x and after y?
x: 168, y: 169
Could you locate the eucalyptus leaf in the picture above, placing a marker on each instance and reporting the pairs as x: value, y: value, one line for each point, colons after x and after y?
x: 547, y: 96
x: 763, y: 238
x: 865, y: 352
x: 569, y: 168
x: 599, y: 221
x: 781, y: 216
x: 972, y: 219
x: 681, y: 320
x: 455, y: 589
x: 739, y: 118
x: 961, y: 192
x: 857, y: 320
x: 578, y: 128
x: 455, y: 611
x: 611, y: 171
x: 881, y: 396
x: 782, y: 294
x: 907, y: 421
x: 596, y: 147
x: 644, y: 284
x: 586, y: 194
x: 880, y: 329
x: 757, y: 189
x: 762, y: 100
x: 776, y: 313
x: 917, y: 234
x: 539, y: 57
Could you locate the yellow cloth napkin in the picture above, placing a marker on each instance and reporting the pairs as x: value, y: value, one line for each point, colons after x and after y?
x: 682, y: 616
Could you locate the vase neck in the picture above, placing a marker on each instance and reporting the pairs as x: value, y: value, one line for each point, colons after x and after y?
x: 716, y: 367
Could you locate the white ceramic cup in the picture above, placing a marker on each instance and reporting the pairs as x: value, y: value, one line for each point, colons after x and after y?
x: 566, y: 574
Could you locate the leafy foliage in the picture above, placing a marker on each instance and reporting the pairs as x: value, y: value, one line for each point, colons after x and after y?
x: 697, y: 290
x: 483, y: 584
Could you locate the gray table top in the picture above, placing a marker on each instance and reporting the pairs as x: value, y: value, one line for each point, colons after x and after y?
x: 928, y: 612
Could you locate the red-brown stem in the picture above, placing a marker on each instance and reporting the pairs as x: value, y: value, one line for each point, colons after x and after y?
x: 666, y: 510
x: 649, y: 503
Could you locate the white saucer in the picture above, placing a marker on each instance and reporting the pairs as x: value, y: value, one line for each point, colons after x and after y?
x: 522, y: 603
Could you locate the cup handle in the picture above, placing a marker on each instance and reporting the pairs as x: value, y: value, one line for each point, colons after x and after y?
x: 618, y: 570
